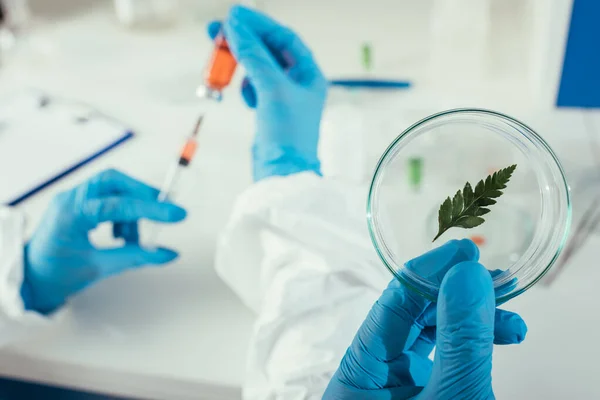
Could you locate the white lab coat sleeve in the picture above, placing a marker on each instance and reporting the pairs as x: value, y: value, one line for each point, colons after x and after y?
x: 297, y: 252
x: 15, y: 322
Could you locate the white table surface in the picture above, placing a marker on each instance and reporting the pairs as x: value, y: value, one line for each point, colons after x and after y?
x: 178, y: 332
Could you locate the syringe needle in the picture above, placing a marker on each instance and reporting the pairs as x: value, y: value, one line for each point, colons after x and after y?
x: 171, y: 180
x: 197, y: 127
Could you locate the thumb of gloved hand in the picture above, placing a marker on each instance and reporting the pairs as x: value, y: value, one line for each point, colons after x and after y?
x: 462, y: 365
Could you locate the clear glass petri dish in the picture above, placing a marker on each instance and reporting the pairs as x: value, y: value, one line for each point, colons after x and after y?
x: 523, y: 234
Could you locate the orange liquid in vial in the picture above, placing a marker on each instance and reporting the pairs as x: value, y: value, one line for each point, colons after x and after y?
x: 221, y: 66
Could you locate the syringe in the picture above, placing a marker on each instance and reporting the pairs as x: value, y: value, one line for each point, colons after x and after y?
x: 217, y: 76
x: 171, y: 181
x: 185, y: 157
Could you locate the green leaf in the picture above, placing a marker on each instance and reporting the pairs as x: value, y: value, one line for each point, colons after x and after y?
x: 445, y: 214
x: 479, y: 189
x: 494, y: 193
x: 467, y: 194
x: 469, y: 222
x: 457, y: 204
x: 485, y: 201
x: 465, y: 209
x: 481, y: 211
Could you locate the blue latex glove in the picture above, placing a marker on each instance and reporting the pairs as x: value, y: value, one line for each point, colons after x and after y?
x: 388, y: 358
x: 60, y: 260
x: 286, y: 87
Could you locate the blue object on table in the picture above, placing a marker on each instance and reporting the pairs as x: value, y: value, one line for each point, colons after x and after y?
x: 371, y: 83
x: 580, y: 81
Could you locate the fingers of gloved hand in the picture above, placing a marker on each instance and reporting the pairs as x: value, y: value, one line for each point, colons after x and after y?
x: 466, y: 306
x: 495, y: 272
x: 425, y: 343
x: 111, y: 182
x: 250, y: 51
x: 392, y: 325
x: 127, y: 231
x: 509, y: 328
x: 249, y: 93
x: 359, y: 370
x: 441, y: 259
x: 127, y: 209
x: 506, y: 287
x: 114, y: 261
x: 285, y: 45
x: 339, y: 389
x: 213, y: 28
x: 408, y: 370
x: 380, y: 350
x: 465, y: 334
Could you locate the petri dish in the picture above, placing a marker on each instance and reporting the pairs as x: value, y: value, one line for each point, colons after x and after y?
x: 526, y: 229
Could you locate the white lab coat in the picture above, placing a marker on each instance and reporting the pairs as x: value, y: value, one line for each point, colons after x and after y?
x: 15, y: 322
x: 297, y: 252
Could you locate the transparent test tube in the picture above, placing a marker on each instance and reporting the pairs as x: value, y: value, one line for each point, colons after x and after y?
x: 217, y: 76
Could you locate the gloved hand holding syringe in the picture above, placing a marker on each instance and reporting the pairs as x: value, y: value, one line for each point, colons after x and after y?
x: 217, y: 76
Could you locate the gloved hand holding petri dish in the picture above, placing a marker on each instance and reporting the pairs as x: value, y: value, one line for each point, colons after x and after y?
x: 520, y: 222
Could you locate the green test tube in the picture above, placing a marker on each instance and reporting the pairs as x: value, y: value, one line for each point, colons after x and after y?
x: 367, y: 56
x: 415, y: 171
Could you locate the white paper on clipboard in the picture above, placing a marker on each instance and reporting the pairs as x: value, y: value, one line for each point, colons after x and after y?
x: 43, y: 139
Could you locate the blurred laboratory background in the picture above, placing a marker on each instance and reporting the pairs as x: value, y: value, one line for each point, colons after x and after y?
x: 181, y: 333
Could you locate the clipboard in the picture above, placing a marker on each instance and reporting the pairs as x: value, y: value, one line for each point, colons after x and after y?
x: 43, y: 139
